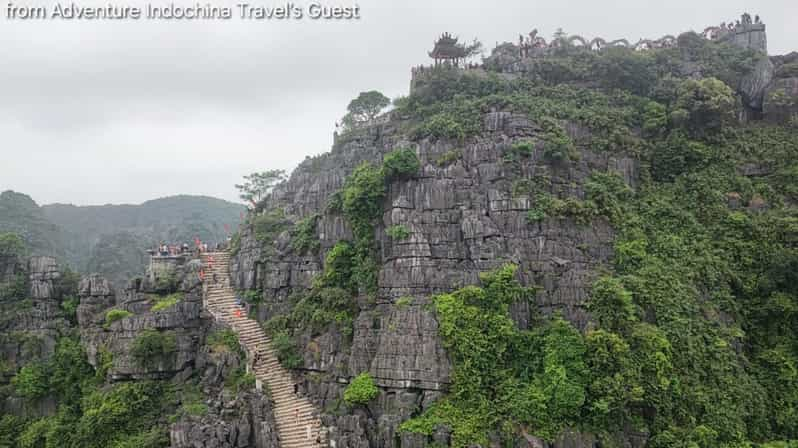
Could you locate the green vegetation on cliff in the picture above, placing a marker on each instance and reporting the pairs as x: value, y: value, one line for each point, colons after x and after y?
x: 153, y: 347
x: 693, y: 340
x: 350, y: 268
x: 505, y: 378
x: 362, y: 197
x: 361, y: 390
x: 11, y: 245
x: 89, y: 414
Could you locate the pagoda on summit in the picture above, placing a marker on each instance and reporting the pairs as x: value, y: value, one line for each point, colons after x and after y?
x: 448, y: 51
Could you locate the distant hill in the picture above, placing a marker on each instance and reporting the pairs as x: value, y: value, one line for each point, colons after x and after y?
x: 21, y: 215
x: 112, y: 239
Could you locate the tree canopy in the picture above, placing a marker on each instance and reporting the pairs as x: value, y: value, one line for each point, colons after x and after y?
x: 257, y: 185
x: 11, y: 244
x: 365, y: 107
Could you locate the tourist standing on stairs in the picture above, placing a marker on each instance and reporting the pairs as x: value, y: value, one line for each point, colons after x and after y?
x: 296, y: 416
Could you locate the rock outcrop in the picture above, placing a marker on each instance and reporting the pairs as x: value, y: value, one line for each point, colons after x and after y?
x: 234, y: 420
x: 31, y: 322
x: 465, y: 215
x: 753, y: 87
x: 229, y: 420
x: 781, y: 99
x: 182, y: 320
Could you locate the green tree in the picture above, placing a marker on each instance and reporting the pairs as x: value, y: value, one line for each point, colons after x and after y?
x: 703, y: 106
x: 400, y: 164
x: 363, y: 195
x: 338, y: 266
x: 69, y: 370
x: 613, y: 380
x: 655, y: 119
x: 564, y: 375
x: 677, y: 155
x: 152, y: 347
x: 114, y: 315
x: 361, y: 390
x: 611, y: 304
x: 473, y: 49
x: 32, y: 381
x: 365, y: 107
x: 286, y: 350
x: 11, y: 244
x: 257, y: 185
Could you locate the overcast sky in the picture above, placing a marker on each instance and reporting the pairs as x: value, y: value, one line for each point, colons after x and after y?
x: 123, y: 112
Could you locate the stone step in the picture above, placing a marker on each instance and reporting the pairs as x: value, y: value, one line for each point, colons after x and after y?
x: 298, y: 433
x: 305, y: 412
x: 220, y: 299
x: 290, y: 427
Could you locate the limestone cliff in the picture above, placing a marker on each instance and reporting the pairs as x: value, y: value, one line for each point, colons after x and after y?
x: 463, y: 218
x: 208, y: 401
x: 473, y: 206
x: 230, y: 418
x: 650, y: 215
x: 31, y: 322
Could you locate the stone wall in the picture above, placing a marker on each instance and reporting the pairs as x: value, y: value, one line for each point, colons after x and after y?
x: 753, y: 36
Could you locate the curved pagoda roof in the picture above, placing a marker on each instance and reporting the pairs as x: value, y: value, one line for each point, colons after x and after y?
x: 447, y: 47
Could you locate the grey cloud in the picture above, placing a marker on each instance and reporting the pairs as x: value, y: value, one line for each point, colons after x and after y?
x: 97, y: 112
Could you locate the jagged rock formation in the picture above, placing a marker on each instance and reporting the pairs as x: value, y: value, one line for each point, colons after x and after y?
x: 35, y: 302
x: 182, y: 320
x: 469, y: 209
x: 780, y: 103
x: 296, y: 419
x: 234, y: 420
x: 243, y: 420
x: 465, y: 212
x: 463, y: 219
x: 31, y: 323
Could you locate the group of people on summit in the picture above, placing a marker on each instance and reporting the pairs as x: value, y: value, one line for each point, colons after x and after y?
x: 171, y: 250
x: 174, y: 250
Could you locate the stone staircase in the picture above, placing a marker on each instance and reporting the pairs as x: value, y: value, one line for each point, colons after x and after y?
x: 293, y: 413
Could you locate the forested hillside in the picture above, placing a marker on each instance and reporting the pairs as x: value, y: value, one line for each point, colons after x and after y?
x: 112, y: 239
x: 19, y: 214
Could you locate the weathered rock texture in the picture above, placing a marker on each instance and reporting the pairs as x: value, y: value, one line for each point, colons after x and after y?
x: 465, y: 216
x: 297, y: 422
x: 31, y: 322
x: 242, y: 420
x: 182, y: 320
x: 780, y: 104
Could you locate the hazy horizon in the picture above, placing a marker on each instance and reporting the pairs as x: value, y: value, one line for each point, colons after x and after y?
x: 98, y: 113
